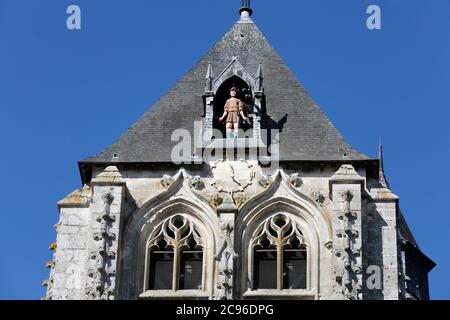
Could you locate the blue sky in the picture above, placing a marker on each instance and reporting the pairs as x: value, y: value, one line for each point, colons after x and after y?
x: 65, y: 95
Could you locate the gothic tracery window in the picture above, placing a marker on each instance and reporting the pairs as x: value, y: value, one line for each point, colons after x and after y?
x: 175, y: 255
x: 279, y: 255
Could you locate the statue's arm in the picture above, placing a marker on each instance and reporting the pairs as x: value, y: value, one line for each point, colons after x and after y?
x: 241, y: 110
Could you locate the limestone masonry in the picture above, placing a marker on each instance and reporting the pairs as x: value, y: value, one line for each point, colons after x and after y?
x: 288, y: 210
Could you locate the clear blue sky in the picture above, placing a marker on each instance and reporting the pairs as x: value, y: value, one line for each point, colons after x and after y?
x: 65, y: 95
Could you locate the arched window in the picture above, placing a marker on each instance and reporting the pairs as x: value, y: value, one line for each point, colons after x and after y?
x: 279, y: 255
x: 175, y: 256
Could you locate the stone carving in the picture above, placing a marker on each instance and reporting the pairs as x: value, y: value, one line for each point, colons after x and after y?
x: 197, y: 183
x: 101, y: 286
x: 226, y: 258
x: 240, y: 199
x: 232, y: 176
x: 347, y: 267
x: 167, y: 181
x: 52, y: 247
x: 176, y: 231
x: 295, y: 180
x: 50, y: 264
x: 346, y: 170
x: 215, y: 199
x: 318, y: 197
x: 265, y: 181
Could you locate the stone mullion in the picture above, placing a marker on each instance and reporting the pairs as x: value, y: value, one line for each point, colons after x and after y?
x: 280, y: 262
x: 176, y: 263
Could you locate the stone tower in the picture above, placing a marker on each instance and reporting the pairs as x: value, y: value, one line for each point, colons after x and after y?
x: 283, y: 208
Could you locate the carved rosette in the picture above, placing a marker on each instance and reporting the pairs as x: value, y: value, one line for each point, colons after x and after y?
x: 100, y: 285
x: 348, y: 268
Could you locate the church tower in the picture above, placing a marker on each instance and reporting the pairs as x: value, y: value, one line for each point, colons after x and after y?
x: 235, y: 185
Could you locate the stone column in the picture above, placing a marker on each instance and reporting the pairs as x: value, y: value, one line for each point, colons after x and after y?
x: 104, y: 232
x: 384, y: 232
x: 346, y: 188
x: 68, y: 265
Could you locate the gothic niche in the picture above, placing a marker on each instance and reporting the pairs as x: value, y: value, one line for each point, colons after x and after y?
x: 223, y: 94
x: 175, y: 256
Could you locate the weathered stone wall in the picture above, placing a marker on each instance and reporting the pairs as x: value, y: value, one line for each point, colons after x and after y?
x: 102, y: 228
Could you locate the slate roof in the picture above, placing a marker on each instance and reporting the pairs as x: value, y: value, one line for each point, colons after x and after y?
x: 306, y: 133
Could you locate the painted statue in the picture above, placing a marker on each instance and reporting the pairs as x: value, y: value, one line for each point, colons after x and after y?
x: 233, y: 109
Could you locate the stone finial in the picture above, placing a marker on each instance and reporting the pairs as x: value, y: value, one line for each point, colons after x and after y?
x: 381, y: 175
x: 228, y: 205
x: 110, y: 175
x: 209, y: 78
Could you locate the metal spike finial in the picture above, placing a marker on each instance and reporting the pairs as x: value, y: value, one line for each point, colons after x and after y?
x: 245, y: 8
x: 381, y: 175
x: 380, y: 155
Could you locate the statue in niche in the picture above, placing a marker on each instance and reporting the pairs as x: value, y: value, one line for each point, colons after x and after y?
x: 233, y: 109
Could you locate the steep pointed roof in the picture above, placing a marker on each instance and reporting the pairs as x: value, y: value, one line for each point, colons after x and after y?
x: 306, y: 133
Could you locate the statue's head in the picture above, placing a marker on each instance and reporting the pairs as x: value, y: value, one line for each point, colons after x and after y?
x: 234, y: 91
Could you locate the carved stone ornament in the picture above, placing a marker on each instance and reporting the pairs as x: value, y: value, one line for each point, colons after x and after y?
x: 348, y: 270
x: 100, y: 286
x: 240, y: 199
x: 295, y: 180
x: 167, y: 181
x: 215, y: 199
x: 177, y: 232
x: 346, y: 170
x: 226, y: 258
x: 265, y: 181
x: 318, y: 197
x: 232, y: 176
x: 197, y: 183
